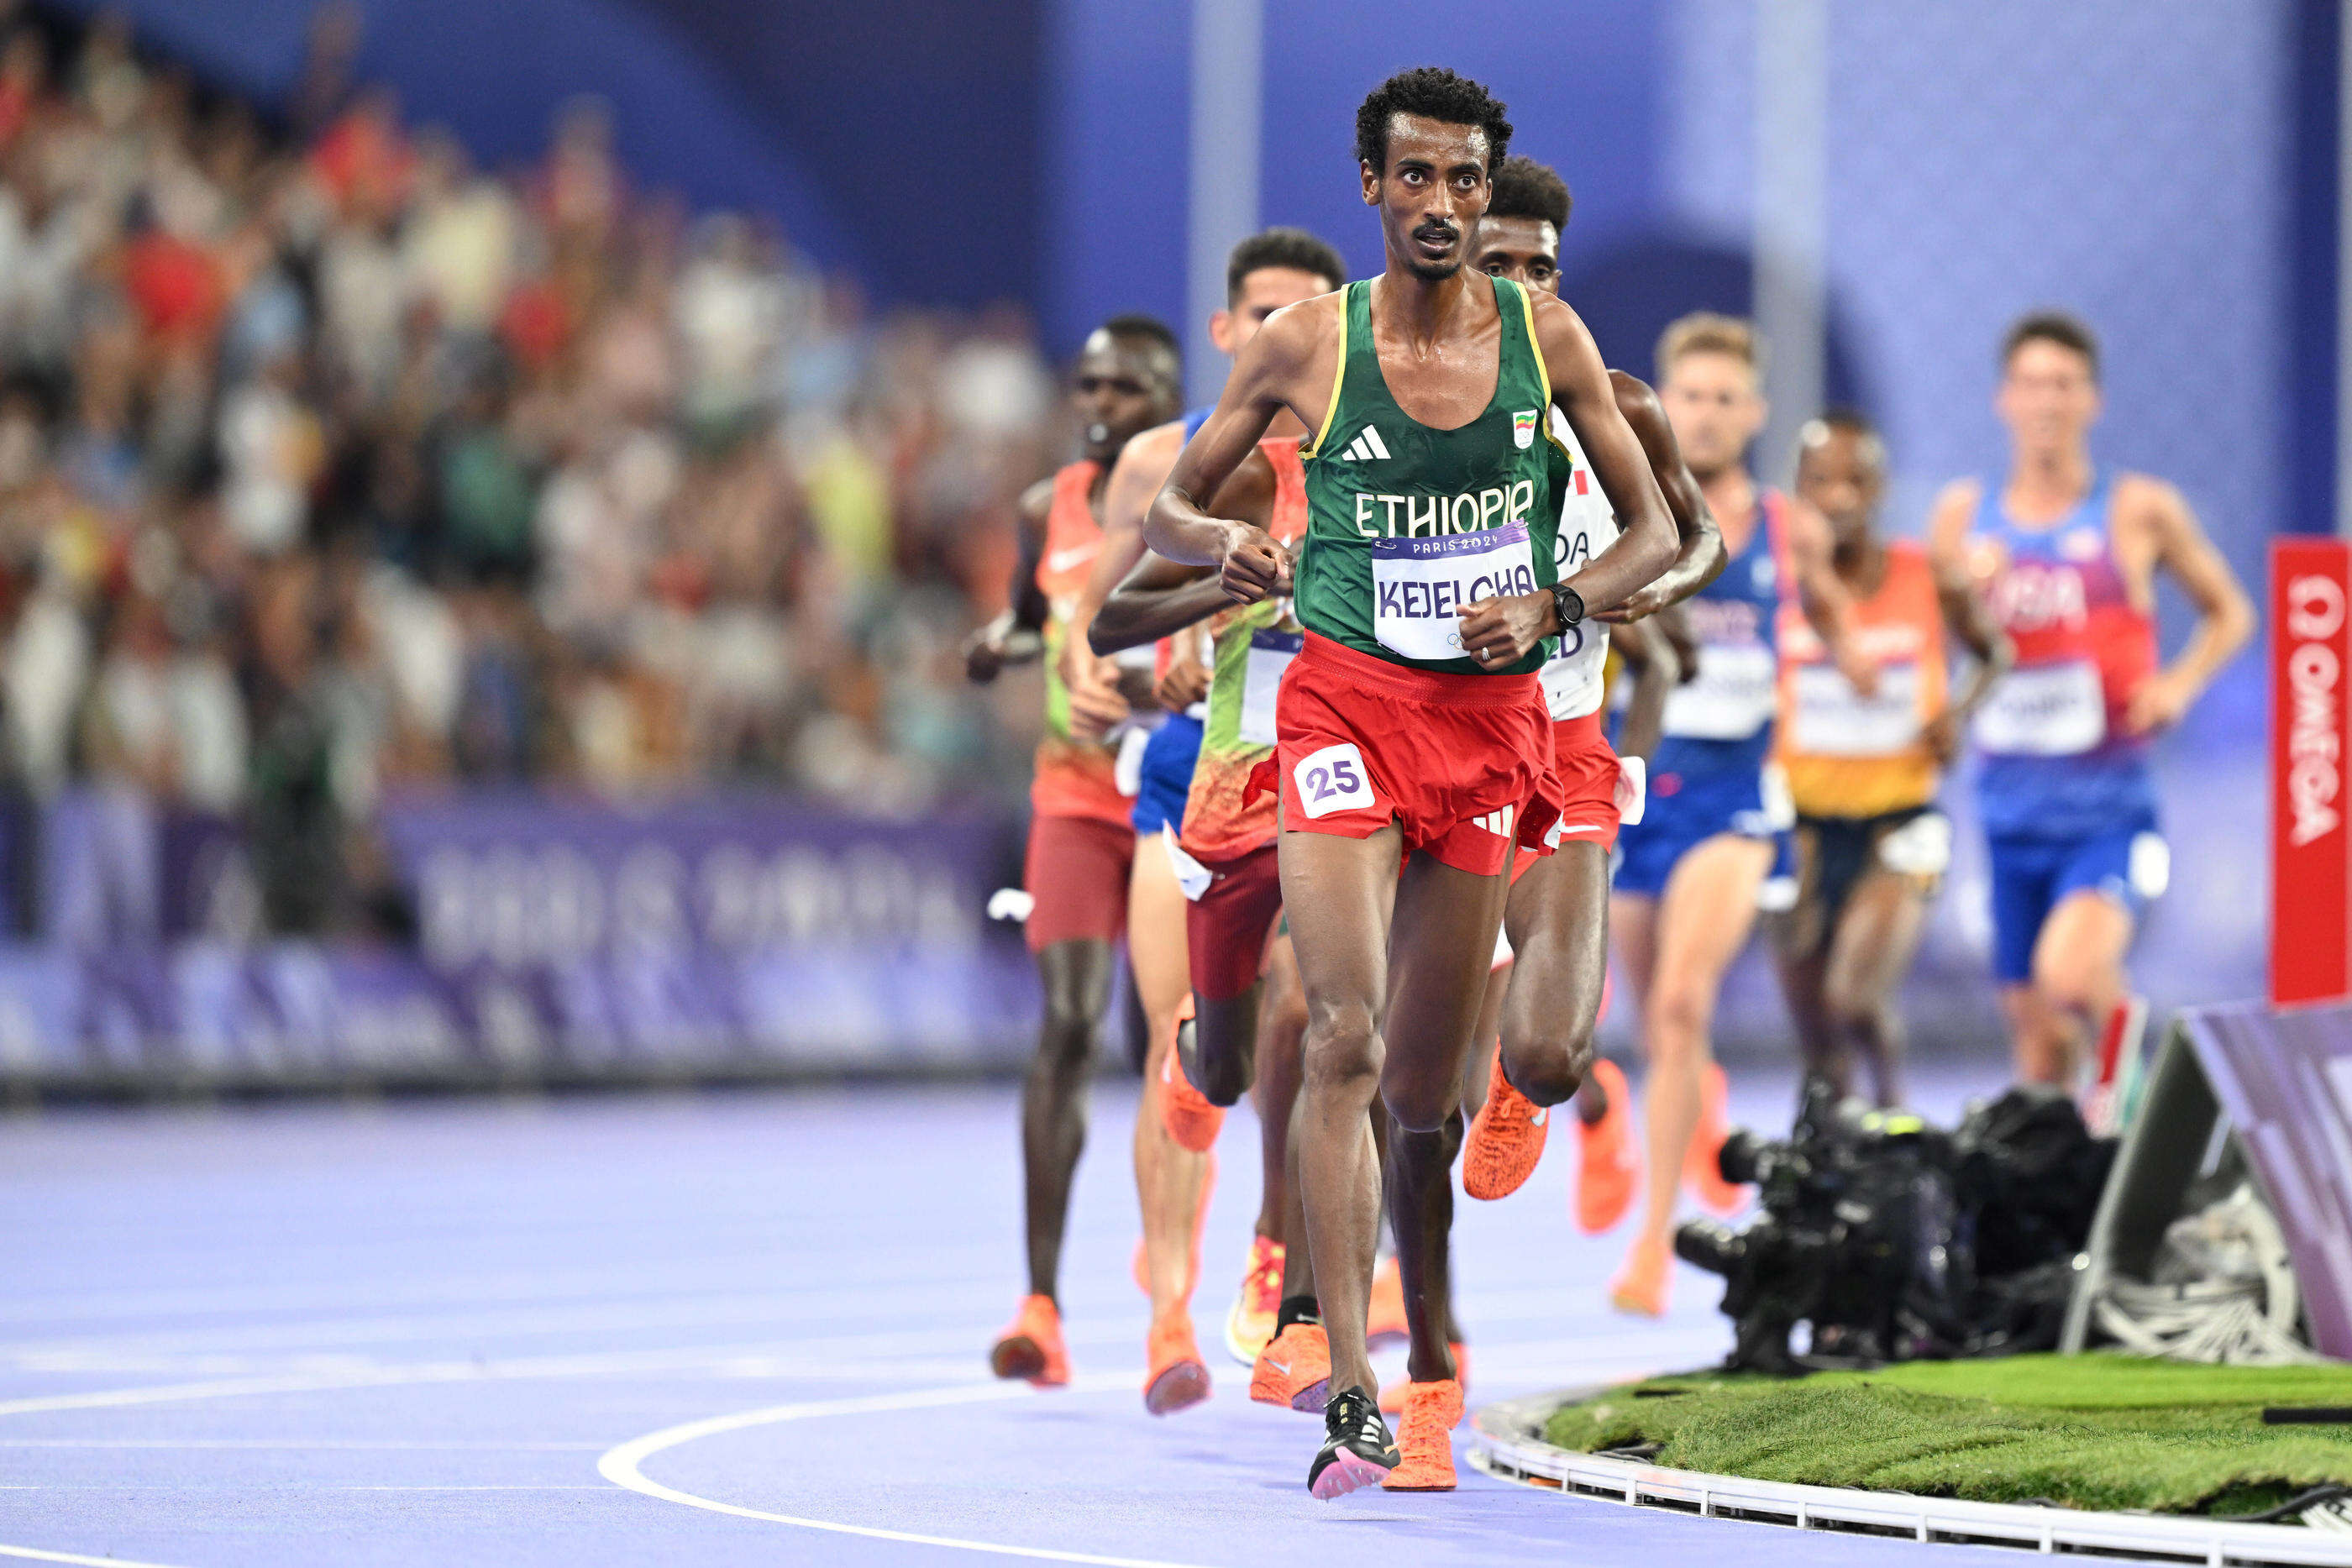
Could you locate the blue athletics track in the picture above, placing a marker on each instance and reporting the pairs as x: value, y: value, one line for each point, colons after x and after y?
x: 718, y: 1329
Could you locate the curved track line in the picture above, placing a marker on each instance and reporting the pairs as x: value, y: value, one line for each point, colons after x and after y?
x: 620, y: 1465
x: 38, y: 1555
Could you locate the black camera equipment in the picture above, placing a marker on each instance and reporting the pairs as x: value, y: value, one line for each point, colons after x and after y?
x: 1874, y: 1223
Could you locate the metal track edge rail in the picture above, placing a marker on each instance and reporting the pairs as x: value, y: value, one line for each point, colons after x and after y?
x: 1505, y: 1441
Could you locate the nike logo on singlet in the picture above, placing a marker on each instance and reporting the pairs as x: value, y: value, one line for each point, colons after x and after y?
x: 1061, y: 560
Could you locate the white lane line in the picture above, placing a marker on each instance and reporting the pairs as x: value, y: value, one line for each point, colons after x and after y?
x: 38, y: 1555
x: 621, y: 1465
x: 307, y: 1445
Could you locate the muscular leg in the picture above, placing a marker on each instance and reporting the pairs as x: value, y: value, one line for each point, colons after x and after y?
x: 1824, y: 1051
x: 1703, y: 921
x: 1444, y: 939
x: 1420, y: 1169
x: 1282, y: 1029
x: 1168, y: 1177
x: 2078, y: 980
x: 1876, y: 938
x: 1077, y: 976
x: 1557, y: 919
x: 1342, y: 893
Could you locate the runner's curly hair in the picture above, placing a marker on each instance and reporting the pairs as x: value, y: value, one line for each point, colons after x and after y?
x: 1432, y: 92
x: 1526, y: 189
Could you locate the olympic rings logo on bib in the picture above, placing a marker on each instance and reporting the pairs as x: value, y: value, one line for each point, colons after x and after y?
x: 1420, y: 586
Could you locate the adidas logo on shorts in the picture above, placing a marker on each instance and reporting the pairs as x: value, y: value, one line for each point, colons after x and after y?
x: 1497, y: 823
x: 1365, y: 447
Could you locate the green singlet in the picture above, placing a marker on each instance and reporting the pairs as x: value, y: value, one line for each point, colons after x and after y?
x: 1406, y: 524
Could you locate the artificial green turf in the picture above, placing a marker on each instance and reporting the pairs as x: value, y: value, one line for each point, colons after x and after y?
x: 2085, y: 1432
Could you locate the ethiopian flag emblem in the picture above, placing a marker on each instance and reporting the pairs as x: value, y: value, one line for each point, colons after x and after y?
x: 1523, y: 429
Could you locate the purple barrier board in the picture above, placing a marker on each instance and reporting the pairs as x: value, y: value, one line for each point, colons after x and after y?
x: 718, y: 930
x: 556, y: 939
x: 2284, y: 1080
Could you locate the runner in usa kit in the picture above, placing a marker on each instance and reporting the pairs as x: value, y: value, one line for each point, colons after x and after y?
x: 1870, y: 847
x: 1411, y: 726
x: 1691, y: 871
x: 1557, y: 919
x: 2067, y: 556
x: 1081, y: 839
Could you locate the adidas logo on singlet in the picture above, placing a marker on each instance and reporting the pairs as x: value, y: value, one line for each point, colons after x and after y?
x: 1365, y: 447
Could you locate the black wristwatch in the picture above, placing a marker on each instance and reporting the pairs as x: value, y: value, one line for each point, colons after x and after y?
x: 1567, y: 603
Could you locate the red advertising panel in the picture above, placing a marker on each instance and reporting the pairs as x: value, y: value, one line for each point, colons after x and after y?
x: 2311, y: 850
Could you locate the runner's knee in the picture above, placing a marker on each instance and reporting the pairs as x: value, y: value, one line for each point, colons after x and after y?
x: 1343, y: 1048
x: 1680, y: 1016
x: 1418, y: 1106
x: 1546, y: 1062
x: 2071, y: 984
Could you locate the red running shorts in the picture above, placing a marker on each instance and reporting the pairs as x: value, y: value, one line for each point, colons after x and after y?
x: 1226, y: 927
x: 1462, y: 763
x: 1076, y: 871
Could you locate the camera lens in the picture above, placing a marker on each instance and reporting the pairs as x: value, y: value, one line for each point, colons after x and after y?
x: 1742, y: 1151
x: 1711, y: 1244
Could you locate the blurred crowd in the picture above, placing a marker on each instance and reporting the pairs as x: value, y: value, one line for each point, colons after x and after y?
x: 331, y: 464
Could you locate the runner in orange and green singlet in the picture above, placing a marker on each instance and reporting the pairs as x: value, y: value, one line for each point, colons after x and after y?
x: 1080, y: 844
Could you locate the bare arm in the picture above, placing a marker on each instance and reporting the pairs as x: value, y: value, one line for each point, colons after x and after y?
x: 1823, y: 596
x: 1647, y: 540
x: 1650, y: 655
x: 1503, y: 629
x: 1290, y: 363
x: 2225, y: 619
x: 1015, y: 637
x: 1161, y: 596
x: 1700, y: 560
x: 1971, y: 625
x: 1142, y: 467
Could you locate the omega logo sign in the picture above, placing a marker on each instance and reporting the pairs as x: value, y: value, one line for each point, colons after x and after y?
x: 2315, y: 614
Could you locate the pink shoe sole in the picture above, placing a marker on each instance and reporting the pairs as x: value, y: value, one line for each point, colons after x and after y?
x: 1180, y: 1387
x: 1346, y: 1474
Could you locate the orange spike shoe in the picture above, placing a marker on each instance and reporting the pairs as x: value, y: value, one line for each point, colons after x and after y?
x: 1293, y: 1369
x: 1032, y: 1346
x: 1702, y: 1167
x: 1250, y: 1323
x: 1507, y: 1138
x: 1393, y: 1397
x: 1178, y: 1377
x: 1425, y: 1437
x: 1606, y: 1170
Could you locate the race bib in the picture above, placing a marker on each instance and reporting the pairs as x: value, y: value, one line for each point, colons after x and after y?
x: 1730, y: 698
x: 2047, y: 710
x: 1572, y: 684
x: 1832, y: 719
x: 1332, y: 779
x: 1270, y: 653
x: 1421, y: 585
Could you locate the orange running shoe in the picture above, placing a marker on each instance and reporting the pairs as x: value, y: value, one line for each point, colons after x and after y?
x: 1607, y: 1171
x: 1184, y: 1111
x: 1032, y: 1347
x: 1425, y: 1437
x: 1257, y: 1304
x: 1393, y: 1397
x: 1507, y: 1139
x: 1384, y: 1321
x: 1295, y: 1369
x: 1640, y: 1287
x: 1178, y: 1377
x: 1702, y: 1171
